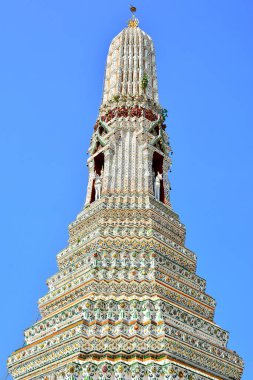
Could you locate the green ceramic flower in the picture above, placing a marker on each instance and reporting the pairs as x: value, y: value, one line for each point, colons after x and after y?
x: 144, y: 81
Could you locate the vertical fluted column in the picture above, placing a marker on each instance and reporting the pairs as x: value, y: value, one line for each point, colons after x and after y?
x: 166, y: 166
x: 90, y: 165
x: 108, y: 154
x: 147, y: 158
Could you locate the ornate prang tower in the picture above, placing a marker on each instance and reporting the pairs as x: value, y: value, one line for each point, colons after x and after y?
x: 126, y: 302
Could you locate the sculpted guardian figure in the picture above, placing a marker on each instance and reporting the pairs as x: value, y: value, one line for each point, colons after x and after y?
x: 157, y: 186
x: 98, y: 186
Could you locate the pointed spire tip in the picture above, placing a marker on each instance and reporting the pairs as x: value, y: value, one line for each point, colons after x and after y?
x: 133, y: 22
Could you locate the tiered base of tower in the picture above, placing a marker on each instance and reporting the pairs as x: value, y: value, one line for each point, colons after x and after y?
x: 126, y: 304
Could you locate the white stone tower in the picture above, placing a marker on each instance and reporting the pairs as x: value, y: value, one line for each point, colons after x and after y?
x: 126, y: 302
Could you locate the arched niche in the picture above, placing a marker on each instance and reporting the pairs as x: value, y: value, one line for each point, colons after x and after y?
x: 98, y: 169
x: 99, y: 163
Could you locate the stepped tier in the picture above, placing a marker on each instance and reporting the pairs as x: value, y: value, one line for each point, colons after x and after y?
x: 165, y: 344
x: 134, y: 309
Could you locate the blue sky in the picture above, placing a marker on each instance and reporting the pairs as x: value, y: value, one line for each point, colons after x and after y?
x: 51, y: 73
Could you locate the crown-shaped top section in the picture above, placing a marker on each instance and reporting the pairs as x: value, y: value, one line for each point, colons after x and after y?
x: 131, y: 67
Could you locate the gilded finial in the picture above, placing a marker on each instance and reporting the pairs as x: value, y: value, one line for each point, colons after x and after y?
x: 133, y: 22
x: 133, y: 9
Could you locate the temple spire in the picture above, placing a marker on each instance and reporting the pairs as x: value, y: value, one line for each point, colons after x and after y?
x: 126, y: 302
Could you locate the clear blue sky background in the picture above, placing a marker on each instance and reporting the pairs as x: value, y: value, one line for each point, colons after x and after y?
x: 51, y: 73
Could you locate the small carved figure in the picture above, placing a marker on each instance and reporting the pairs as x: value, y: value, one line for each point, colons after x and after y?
x: 98, y: 186
x: 157, y: 186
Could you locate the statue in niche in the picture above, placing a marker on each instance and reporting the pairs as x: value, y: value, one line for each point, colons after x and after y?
x: 157, y: 185
x: 98, y: 186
